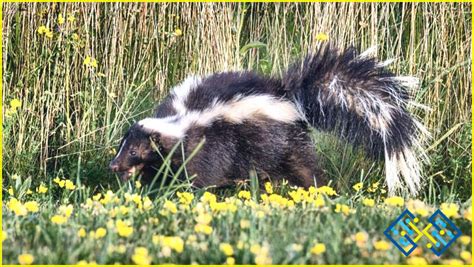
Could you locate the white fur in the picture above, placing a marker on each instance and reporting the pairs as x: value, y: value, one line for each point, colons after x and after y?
x: 236, y: 111
x: 181, y: 92
x: 120, y: 150
x: 370, y: 52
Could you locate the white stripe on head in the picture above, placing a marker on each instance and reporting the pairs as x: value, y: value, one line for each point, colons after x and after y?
x: 370, y: 52
x: 121, y: 147
x: 181, y: 92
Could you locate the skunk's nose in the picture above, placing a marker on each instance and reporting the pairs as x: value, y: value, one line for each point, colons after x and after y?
x: 113, y: 166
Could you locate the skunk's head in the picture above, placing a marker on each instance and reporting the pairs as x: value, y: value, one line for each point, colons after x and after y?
x: 136, y: 152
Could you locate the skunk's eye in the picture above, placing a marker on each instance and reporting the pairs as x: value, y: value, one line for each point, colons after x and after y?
x: 133, y: 153
x: 154, y: 139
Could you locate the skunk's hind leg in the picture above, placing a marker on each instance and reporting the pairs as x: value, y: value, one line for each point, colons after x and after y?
x: 303, y: 165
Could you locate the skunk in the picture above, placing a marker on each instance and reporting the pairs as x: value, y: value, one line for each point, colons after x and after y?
x: 251, y: 122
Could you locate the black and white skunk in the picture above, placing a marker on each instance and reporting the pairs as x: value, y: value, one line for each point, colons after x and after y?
x: 250, y: 122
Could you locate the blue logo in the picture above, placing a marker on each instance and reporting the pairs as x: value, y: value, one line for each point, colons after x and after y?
x: 405, y: 234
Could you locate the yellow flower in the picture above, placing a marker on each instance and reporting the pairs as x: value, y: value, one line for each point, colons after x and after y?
x: 141, y: 256
x: 32, y: 206
x: 465, y: 239
x: 138, y: 184
x: 244, y: 224
x: 81, y: 232
x: 175, y: 243
x: 417, y: 261
x: 244, y: 194
x: 26, y: 259
x: 322, y: 37
x: 466, y: 256
x: 368, y: 202
x: 203, y: 228
x: 49, y: 34
x: 58, y: 219
x: 261, y: 254
x: 227, y: 249
x: 71, y: 18
x: 4, y: 235
x: 10, y: 191
x: 70, y: 185
x: 357, y: 187
x: 394, y: 201
x: 373, y: 187
x: 269, y: 187
x: 208, y: 198
x: 230, y: 261
x: 185, y: 198
x: 17, y: 207
x: 318, y: 249
x: 60, y: 19
x: 170, y: 206
x: 75, y: 37
x: 178, y: 32
x: 361, y: 239
x: 60, y: 182
x: 66, y: 210
x: 100, y: 232
x: 204, y: 218
x: 41, y: 189
x: 42, y: 29
x: 450, y: 209
x: 343, y: 208
x: 326, y: 190
x: 123, y: 228
x: 381, y: 245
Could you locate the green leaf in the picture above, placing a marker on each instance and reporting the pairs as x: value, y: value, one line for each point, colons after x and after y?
x: 251, y: 45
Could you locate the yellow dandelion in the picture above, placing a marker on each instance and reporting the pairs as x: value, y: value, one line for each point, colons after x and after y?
x: 417, y: 261
x: 123, y: 228
x: 75, y: 37
x: 71, y: 18
x: 100, y: 232
x: 394, y: 201
x: 81, y: 232
x: 42, y: 29
x: 318, y: 249
x: 230, y: 261
x: 381, y: 245
x: 466, y: 256
x: 60, y: 19
x: 465, y: 239
x: 326, y: 190
x: 26, y: 259
x: 203, y: 228
x: 357, y: 187
x: 227, y: 249
x: 69, y: 185
x: 178, y: 32
x: 14, y: 104
x: 32, y: 206
x: 450, y: 209
x: 66, y: 210
x: 170, y: 206
x: 322, y: 37
x: 42, y: 189
x: 244, y: 194
x: 141, y: 257
x: 58, y: 219
x: 185, y: 198
x: 368, y: 202
x: 269, y: 187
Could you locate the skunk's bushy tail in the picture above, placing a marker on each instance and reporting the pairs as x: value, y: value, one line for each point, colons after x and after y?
x: 355, y: 97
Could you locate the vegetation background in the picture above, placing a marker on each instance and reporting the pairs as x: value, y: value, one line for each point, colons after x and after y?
x: 83, y: 79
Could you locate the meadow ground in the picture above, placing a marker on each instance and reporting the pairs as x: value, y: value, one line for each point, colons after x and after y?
x: 75, y: 76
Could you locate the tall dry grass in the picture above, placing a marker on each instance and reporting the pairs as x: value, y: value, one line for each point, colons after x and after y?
x: 72, y: 115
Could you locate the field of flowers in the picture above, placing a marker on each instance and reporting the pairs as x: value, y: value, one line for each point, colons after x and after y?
x: 279, y: 225
x: 75, y: 76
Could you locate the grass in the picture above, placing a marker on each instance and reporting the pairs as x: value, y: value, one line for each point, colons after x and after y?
x: 72, y: 115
